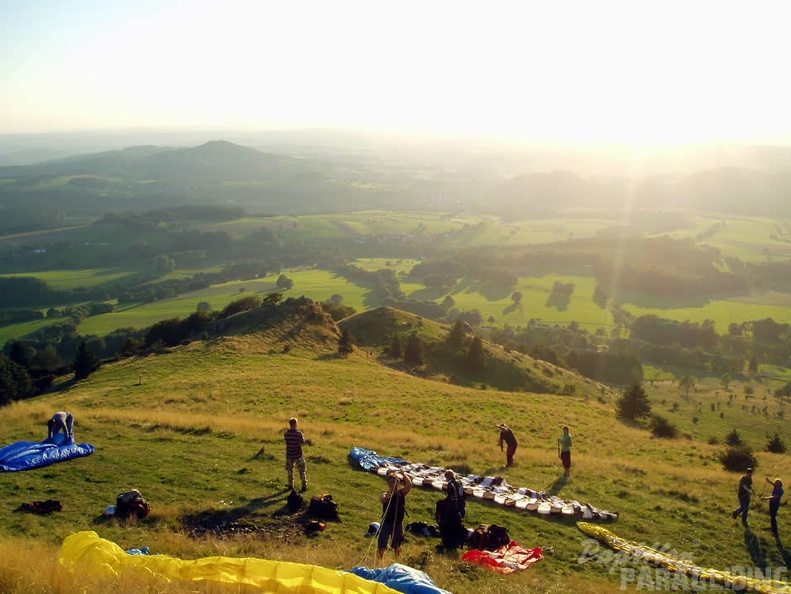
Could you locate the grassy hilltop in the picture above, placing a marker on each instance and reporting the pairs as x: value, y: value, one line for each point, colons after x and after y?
x: 198, y: 430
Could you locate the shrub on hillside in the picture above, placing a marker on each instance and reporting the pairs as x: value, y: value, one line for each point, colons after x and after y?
x: 345, y: 344
x: 633, y: 403
x: 784, y: 390
x: 733, y: 438
x: 738, y: 458
x: 776, y: 445
x: 661, y: 427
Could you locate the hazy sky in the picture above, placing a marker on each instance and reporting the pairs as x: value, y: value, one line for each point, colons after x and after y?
x: 593, y: 70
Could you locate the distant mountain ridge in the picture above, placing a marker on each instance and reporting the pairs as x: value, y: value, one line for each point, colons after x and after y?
x: 148, y: 177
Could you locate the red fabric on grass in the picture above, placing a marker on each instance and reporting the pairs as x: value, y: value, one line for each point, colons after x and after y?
x: 507, y: 559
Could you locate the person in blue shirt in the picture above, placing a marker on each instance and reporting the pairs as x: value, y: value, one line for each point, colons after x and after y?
x: 774, y: 501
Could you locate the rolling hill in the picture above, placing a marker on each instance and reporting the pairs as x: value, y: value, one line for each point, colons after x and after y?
x: 198, y: 430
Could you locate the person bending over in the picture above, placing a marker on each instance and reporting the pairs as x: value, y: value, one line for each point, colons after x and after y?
x: 61, y: 421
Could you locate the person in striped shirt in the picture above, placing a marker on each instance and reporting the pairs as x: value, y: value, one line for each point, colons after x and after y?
x: 294, y: 441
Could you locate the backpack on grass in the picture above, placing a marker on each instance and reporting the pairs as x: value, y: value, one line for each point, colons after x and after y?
x: 131, y: 503
x: 324, y: 507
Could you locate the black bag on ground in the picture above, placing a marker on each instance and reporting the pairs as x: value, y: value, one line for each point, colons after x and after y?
x: 131, y: 503
x: 42, y: 507
x: 497, y: 536
x: 488, y: 537
x: 324, y: 507
x: 294, y: 501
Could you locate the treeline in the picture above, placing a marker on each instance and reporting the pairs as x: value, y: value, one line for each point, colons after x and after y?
x: 659, y: 266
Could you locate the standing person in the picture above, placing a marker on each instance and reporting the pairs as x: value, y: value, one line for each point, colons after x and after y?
x: 294, y: 442
x: 61, y: 421
x: 564, y: 447
x: 774, y: 501
x: 745, y: 492
x: 393, y: 510
x: 507, y: 436
x: 456, y: 493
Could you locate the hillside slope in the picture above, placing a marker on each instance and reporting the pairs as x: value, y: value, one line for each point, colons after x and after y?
x: 445, y: 359
x: 198, y: 430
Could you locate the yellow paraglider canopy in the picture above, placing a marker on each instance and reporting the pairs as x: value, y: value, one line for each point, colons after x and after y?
x: 86, y: 552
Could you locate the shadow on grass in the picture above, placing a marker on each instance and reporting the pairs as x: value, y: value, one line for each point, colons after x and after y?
x: 557, y: 486
x: 757, y: 554
x: 784, y: 552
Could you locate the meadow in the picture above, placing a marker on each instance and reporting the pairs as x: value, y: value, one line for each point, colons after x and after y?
x: 199, y: 432
x: 752, y: 239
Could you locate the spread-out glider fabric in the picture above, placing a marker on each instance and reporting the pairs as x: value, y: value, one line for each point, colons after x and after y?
x: 87, y: 553
x: 493, y: 488
x: 507, y: 559
x: 26, y: 455
x: 402, y: 578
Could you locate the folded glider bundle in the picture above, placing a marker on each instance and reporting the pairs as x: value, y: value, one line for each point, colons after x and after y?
x: 402, y: 578
x: 506, y: 559
x: 87, y: 554
x: 702, y: 575
x: 26, y: 455
x: 483, y: 487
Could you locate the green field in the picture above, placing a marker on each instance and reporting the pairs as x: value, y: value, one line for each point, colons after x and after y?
x: 67, y: 280
x: 757, y: 306
x: 737, y: 236
x: 319, y: 285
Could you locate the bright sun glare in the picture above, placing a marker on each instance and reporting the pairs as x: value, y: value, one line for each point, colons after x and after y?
x: 617, y: 71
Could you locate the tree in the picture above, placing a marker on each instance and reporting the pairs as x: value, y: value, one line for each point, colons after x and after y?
x: 775, y: 444
x: 686, y: 383
x: 475, y: 358
x: 733, y: 438
x: 46, y: 359
x: 283, y: 282
x: 163, y: 264
x: 85, y: 362
x: 448, y: 303
x: 204, y: 306
x: 414, y: 351
x: 738, y: 458
x: 21, y: 353
x: 633, y: 403
x: 457, y: 333
x: 345, y: 344
x: 396, y: 350
x: 516, y: 297
x: 273, y: 298
x: 15, y: 382
x: 725, y: 380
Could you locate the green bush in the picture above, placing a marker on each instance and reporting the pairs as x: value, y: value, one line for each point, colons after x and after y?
x: 738, y: 458
x: 776, y: 445
x: 734, y: 439
x: 661, y: 427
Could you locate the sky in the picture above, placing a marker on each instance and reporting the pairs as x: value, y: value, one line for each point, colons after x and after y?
x: 602, y: 71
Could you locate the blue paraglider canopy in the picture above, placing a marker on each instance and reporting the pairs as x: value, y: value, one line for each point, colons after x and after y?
x: 26, y: 455
x: 402, y: 578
